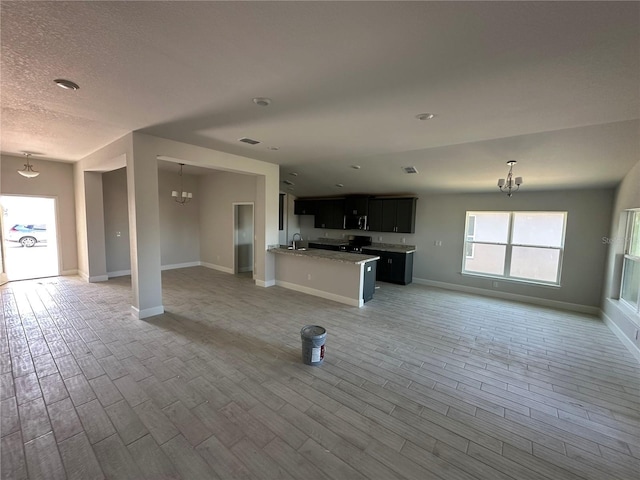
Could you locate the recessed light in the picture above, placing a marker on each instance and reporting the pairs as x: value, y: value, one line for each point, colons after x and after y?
x: 294, y: 174
x: 339, y: 185
x: 291, y: 189
x: 274, y: 148
x: 262, y: 101
x: 288, y: 182
x: 356, y: 167
x: 66, y: 84
x: 425, y: 116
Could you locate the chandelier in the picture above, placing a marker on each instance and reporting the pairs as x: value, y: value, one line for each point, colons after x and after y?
x: 181, y: 197
x: 28, y: 170
x: 511, y: 185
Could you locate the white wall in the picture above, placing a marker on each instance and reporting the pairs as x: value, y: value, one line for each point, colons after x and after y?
x: 55, y: 180
x: 179, y: 229
x: 219, y: 191
x: 442, y: 218
x: 620, y: 319
x: 116, y: 221
x: 179, y: 224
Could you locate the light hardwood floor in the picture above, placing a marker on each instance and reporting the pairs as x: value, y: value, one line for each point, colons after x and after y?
x: 421, y: 383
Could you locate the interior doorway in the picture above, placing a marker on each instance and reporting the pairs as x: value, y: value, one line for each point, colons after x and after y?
x: 243, y: 238
x: 30, y: 237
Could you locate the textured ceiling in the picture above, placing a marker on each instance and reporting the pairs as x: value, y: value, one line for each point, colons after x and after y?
x: 553, y: 85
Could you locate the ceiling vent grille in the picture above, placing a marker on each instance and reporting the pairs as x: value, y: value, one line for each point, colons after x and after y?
x: 410, y: 169
x: 250, y: 141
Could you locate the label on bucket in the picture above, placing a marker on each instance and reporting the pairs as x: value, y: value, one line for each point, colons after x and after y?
x: 317, y: 354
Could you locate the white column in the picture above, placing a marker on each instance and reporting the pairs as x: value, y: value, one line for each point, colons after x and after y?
x: 144, y: 231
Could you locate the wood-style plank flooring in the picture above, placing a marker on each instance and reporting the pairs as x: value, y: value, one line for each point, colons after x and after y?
x: 421, y: 383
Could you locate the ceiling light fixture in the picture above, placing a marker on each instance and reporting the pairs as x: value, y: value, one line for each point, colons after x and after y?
x: 262, y: 101
x: 28, y: 170
x: 356, y: 167
x: 293, y: 174
x: 275, y: 149
x: 510, y: 186
x: 339, y: 185
x: 66, y: 84
x: 425, y: 116
x: 181, y: 197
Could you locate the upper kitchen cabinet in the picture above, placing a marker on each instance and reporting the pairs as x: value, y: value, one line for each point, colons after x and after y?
x: 329, y: 214
x: 304, y: 207
x: 396, y: 215
x: 358, y: 206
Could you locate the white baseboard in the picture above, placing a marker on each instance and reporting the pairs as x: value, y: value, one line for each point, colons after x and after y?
x: 217, y: 267
x: 320, y: 293
x: 180, y: 265
x: 262, y: 283
x: 119, y: 273
x: 83, y: 276
x: 147, y: 312
x: 68, y: 273
x: 632, y: 347
x: 98, y: 278
x: 574, y: 307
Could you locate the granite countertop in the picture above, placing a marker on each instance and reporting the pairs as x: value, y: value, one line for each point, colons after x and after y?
x: 343, y: 257
x: 383, y: 247
x: 392, y: 247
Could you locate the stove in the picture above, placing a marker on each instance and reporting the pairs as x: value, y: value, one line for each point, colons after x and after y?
x: 356, y: 243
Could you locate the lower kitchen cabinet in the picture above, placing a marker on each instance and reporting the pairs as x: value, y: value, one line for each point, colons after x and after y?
x: 393, y: 267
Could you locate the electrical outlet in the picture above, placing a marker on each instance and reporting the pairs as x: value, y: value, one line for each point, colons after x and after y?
x: 118, y: 234
x: 404, y: 240
x: 308, y: 276
x: 379, y: 239
x: 495, y: 284
x: 217, y: 257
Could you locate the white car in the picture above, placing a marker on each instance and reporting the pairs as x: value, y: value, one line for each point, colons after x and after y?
x: 27, y: 235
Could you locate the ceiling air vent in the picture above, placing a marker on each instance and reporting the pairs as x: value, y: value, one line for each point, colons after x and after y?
x: 250, y: 141
x: 410, y: 169
x: 288, y: 182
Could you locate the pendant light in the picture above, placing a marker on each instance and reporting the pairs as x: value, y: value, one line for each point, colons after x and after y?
x: 28, y: 170
x: 181, y: 197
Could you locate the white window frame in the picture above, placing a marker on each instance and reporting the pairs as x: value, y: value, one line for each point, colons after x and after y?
x: 509, y: 246
x: 629, y: 258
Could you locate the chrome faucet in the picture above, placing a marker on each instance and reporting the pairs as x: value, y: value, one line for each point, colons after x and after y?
x: 293, y: 241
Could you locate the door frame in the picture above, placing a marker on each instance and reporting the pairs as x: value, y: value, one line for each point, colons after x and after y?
x: 234, y: 237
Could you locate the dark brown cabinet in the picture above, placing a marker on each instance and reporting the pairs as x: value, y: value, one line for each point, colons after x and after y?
x: 396, y: 215
x: 356, y: 206
x: 304, y: 207
x: 393, y: 267
x: 329, y: 214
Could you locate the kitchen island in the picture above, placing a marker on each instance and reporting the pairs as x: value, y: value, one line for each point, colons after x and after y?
x: 342, y: 277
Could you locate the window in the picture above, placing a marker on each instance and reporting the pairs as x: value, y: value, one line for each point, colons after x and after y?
x: 630, y: 292
x: 471, y: 235
x: 524, y: 246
